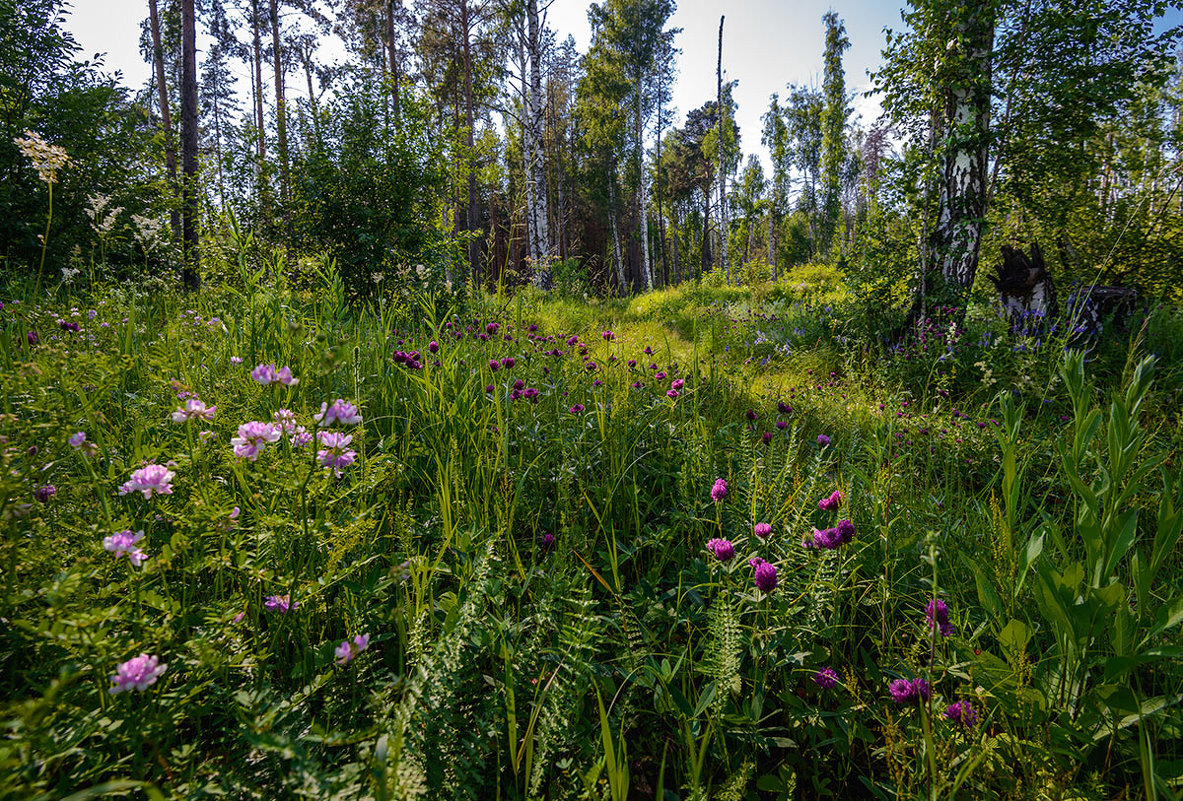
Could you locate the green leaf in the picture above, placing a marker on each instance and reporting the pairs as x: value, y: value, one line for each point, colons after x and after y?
x: 1169, y: 616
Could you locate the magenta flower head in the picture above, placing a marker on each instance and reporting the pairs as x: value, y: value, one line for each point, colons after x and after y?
x: 193, y: 410
x: 826, y: 678
x: 766, y: 437
x: 508, y: 362
x: 253, y: 437
x: 719, y: 491
x: 845, y: 531
x: 335, y: 451
x: 608, y: 336
x: 831, y: 503
x: 936, y: 613
x: 723, y: 550
x: 44, y: 493
x: 961, y: 712
x: 494, y: 365
x: 153, y: 478
x: 124, y: 543
x: 762, y: 530
x: 138, y: 673
x: 351, y: 648
x: 491, y: 329
x: 341, y: 412
x: 765, y: 577
x: 909, y: 691
x: 577, y: 409
x: 280, y: 603
x: 822, y: 440
x: 433, y: 346
x: 547, y: 541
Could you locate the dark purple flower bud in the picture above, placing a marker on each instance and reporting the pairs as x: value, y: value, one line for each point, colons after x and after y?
x: 547, y: 540
x: 822, y: 440
x: 826, y: 678
x: 767, y: 437
x: 961, y: 712
x: 433, y: 346
x: 751, y: 415
x: 494, y: 365
x: 765, y: 577
x: 723, y: 550
x: 844, y: 531
x: 43, y: 494
x: 508, y: 362
x: 936, y: 613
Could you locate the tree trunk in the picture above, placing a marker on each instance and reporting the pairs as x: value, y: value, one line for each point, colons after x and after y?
x: 723, y: 232
x: 170, y: 151
x: 665, y: 266
x: 642, y: 205
x: 966, y: 116
x: 536, y: 176
x: 471, y: 218
x: 614, y: 229
x: 281, y: 124
x: 260, y: 122
x: 395, y: 77
x: 190, y: 272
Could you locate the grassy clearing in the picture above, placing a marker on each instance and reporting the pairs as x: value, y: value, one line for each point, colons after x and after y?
x: 524, y: 551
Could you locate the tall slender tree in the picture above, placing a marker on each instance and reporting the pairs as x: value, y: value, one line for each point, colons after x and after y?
x: 170, y: 150
x: 191, y: 269
x: 833, y: 123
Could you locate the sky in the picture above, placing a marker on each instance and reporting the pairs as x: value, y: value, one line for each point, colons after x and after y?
x: 767, y: 44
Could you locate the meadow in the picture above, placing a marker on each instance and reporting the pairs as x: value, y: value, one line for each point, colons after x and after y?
x: 263, y: 542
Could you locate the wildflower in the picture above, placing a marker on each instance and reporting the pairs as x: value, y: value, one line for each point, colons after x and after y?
x: 781, y: 424
x: 489, y: 388
x: 723, y: 550
x: 719, y: 490
x: 433, y: 346
x: 961, y: 712
x: 765, y: 576
x: 46, y: 492
x: 194, y: 410
x: 236, y: 360
x: 783, y: 407
x: 831, y: 503
x: 123, y: 543
x: 341, y: 412
x: 677, y: 384
x: 47, y: 159
x: 267, y: 374
x: 669, y: 393
x: 335, y: 453
x: 826, y: 678
x: 280, y: 603
x: 508, y: 362
x: 547, y: 540
x: 766, y: 437
x: 936, y: 613
x: 32, y: 337
x: 577, y: 409
x: 152, y: 478
x: 751, y: 415
x: 909, y: 691
x: 845, y: 531
x: 285, y: 420
x: 138, y: 673
x: 822, y: 440
x: 494, y: 365
x: 351, y: 648
x: 76, y: 441
x: 762, y: 530
x: 608, y: 336
x: 252, y: 438
x: 590, y: 367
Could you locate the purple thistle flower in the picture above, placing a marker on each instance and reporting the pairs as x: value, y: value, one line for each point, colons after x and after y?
x: 138, y: 673
x: 433, y: 346
x: 767, y: 437
x: 547, y: 541
x: 826, y: 678
x: 723, y: 550
x: 936, y: 613
x: 909, y: 691
x: 822, y: 440
x: 961, y: 712
x: 508, y: 362
x: 152, y: 478
x: 762, y: 530
x: 831, y: 503
x: 845, y: 531
x: 751, y: 415
x: 719, y: 490
x: 494, y: 365
x: 781, y: 424
x: 765, y: 577
x: 577, y: 409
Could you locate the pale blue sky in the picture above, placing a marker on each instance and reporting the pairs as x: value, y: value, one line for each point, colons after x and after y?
x: 766, y: 45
